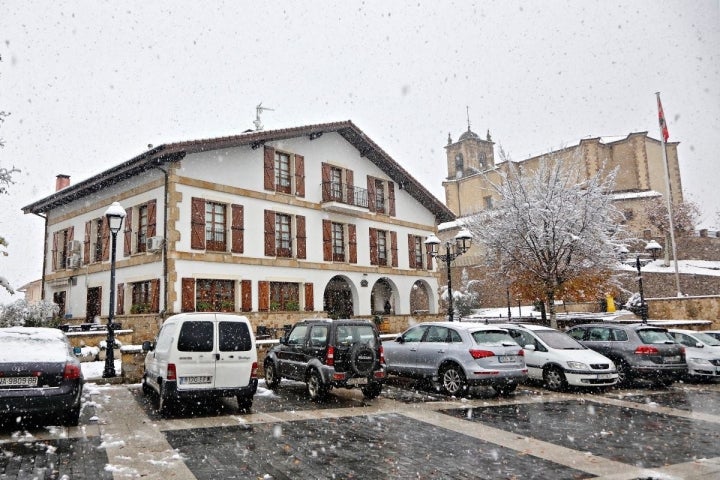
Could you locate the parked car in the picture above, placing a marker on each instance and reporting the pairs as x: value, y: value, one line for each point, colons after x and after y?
x: 712, y: 333
x: 559, y: 360
x: 702, y: 353
x: 639, y: 350
x: 328, y: 354
x: 197, y: 355
x: 39, y: 374
x: 457, y: 355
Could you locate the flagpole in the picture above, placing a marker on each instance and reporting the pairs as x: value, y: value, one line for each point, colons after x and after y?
x: 668, y: 195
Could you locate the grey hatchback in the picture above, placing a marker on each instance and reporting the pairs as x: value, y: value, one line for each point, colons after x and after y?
x: 457, y: 355
x: 639, y: 350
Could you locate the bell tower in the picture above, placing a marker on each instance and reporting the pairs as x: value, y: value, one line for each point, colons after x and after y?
x: 469, y: 155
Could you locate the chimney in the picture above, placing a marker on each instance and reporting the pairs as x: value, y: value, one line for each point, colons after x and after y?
x: 61, y: 181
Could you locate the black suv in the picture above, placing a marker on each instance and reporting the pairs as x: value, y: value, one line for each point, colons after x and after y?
x: 328, y: 353
x: 640, y: 351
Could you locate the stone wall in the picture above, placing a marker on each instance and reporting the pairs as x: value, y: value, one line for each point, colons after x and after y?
x: 686, y: 308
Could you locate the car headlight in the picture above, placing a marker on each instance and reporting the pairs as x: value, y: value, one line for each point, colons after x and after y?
x: 701, y: 361
x: 577, y: 366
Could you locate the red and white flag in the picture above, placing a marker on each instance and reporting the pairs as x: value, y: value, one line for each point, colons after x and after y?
x: 661, y: 119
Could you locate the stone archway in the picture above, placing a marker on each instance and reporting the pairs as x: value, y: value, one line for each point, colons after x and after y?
x: 420, y: 298
x: 338, y: 298
x: 384, y: 297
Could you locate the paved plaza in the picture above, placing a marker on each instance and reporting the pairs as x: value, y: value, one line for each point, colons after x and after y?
x: 620, y: 434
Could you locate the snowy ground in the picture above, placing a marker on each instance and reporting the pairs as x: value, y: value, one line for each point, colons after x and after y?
x: 94, y: 370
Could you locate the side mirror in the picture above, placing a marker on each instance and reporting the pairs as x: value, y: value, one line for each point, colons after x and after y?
x: 148, y: 346
x: 400, y: 339
x: 699, y: 345
x: 283, y: 340
x: 530, y: 347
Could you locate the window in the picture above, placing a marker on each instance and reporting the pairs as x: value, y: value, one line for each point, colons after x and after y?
x: 284, y: 296
x: 297, y: 335
x: 488, y: 202
x: 415, y: 334
x: 61, y: 248
x: 215, y: 226
x: 214, y: 295
x: 97, y: 244
x: 416, y: 251
x: 142, y: 228
x: 284, y: 172
x: 140, y: 224
x: 234, y: 337
x: 141, y: 297
x: 96, y: 248
x: 209, y: 226
x: 383, y: 248
x: 339, y: 242
x: 284, y: 235
x: 381, y: 196
x: 196, y: 336
x: 336, y: 184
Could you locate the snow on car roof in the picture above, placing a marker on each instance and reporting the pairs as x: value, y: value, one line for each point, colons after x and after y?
x: 27, y: 344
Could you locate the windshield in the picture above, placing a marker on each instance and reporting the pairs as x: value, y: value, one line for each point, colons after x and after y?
x: 559, y: 340
x: 707, y: 339
x: 350, y: 334
x: 493, y: 337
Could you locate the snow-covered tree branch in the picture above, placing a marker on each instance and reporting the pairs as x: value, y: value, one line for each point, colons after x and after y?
x: 554, y: 233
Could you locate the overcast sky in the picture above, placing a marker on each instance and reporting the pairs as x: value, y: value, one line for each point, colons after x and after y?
x: 91, y: 84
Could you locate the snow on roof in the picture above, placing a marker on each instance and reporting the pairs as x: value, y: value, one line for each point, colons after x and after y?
x: 631, y: 195
x: 32, y: 344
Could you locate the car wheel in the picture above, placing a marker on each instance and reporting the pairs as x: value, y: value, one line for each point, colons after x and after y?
x: 505, y: 389
x: 362, y: 359
x: 165, y: 403
x: 244, y: 402
x: 146, y: 389
x: 71, y: 418
x: 625, y: 376
x: 555, y: 379
x: 372, y: 390
x: 452, y: 380
x: 664, y: 382
x: 316, y: 388
x: 272, y: 379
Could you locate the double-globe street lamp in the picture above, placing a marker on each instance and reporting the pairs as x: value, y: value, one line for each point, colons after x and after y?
x: 463, y: 240
x: 654, y: 248
x: 115, y: 215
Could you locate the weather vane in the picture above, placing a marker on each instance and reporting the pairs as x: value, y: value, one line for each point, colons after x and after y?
x: 258, y: 110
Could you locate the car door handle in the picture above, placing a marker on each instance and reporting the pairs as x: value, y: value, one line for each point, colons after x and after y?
x: 217, y: 356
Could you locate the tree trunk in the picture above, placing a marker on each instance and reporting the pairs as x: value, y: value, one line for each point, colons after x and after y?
x: 551, y: 308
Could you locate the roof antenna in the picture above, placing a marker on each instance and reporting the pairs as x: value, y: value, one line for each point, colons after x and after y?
x: 467, y: 109
x: 258, y: 110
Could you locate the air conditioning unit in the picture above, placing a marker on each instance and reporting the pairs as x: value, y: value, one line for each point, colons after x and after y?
x: 73, y: 261
x: 153, y: 244
x: 75, y: 245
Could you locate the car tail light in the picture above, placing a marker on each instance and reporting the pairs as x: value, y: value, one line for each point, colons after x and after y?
x: 71, y: 372
x: 521, y: 353
x: 171, y: 372
x: 330, y: 356
x: 646, y: 350
x: 253, y: 370
x: 382, y: 355
x: 476, y: 354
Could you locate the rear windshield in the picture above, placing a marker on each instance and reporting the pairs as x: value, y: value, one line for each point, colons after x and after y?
x: 648, y: 335
x: 234, y: 337
x: 493, y: 337
x: 349, y: 334
x: 559, y: 340
x: 196, y: 336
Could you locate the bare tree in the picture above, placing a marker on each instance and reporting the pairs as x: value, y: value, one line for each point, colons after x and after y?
x: 685, y: 216
x: 554, y: 232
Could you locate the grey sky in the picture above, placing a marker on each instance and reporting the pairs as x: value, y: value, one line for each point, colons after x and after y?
x: 91, y: 84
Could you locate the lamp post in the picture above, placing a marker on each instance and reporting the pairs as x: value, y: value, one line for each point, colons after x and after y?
x: 463, y: 240
x: 654, y: 248
x: 507, y: 291
x: 643, y: 305
x: 115, y: 215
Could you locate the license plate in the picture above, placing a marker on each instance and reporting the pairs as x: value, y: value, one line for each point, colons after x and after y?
x: 18, y: 381
x: 507, y: 358
x: 673, y: 359
x: 357, y: 381
x: 194, y: 380
x: 602, y: 376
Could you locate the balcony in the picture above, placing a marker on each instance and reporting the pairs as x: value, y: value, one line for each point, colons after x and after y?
x: 343, y: 198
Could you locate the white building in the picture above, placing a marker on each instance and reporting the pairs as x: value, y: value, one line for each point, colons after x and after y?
x: 314, y: 218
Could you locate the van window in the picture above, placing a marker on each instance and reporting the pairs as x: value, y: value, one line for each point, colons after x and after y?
x: 165, y: 338
x: 196, y: 337
x: 234, y: 337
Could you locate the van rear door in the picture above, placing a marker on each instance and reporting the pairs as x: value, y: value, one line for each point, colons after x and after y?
x: 196, y: 358
x: 236, y: 355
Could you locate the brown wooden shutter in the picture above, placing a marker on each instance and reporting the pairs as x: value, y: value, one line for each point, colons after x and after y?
x: 373, y: 247
x: 299, y: 175
x: 411, y: 251
x: 394, y: 248
x: 327, y: 240
x: 197, y: 224
x: 105, y: 239
x: 188, y: 295
x: 246, y: 295
x: 120, y: 307
x: 269, y: 168
x: 325, y: 170
x: 309, y: 298
x: 371, y: 193
x: 55, y: 252
x: 263, y: 296
x: 352, y: 243
x: 127, y: 233
x: 350, y: 188
x: 269, y: 233
x: 238, y: 229
x: 86, y: 245
x: 391, y: 198
x: 152, y: 218
x: 301, y: 237
x: 71, y: 234
x: 155, y: 295
x: 429, y: 257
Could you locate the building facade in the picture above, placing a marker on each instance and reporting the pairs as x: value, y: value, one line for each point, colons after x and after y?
x: 308, y: 219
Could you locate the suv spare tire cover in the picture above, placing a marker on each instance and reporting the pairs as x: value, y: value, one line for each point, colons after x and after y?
x: 362, y: 359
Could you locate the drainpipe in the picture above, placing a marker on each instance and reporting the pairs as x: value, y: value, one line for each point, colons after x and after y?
x: 45, y: 244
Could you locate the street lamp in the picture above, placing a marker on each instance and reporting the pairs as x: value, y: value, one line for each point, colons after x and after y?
x: 115, y: 215
x: 643, y: 305
x: 654, y: 248
x: 463, y: 240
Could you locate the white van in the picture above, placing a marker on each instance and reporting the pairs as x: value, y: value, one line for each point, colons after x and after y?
x: 199, y: 355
